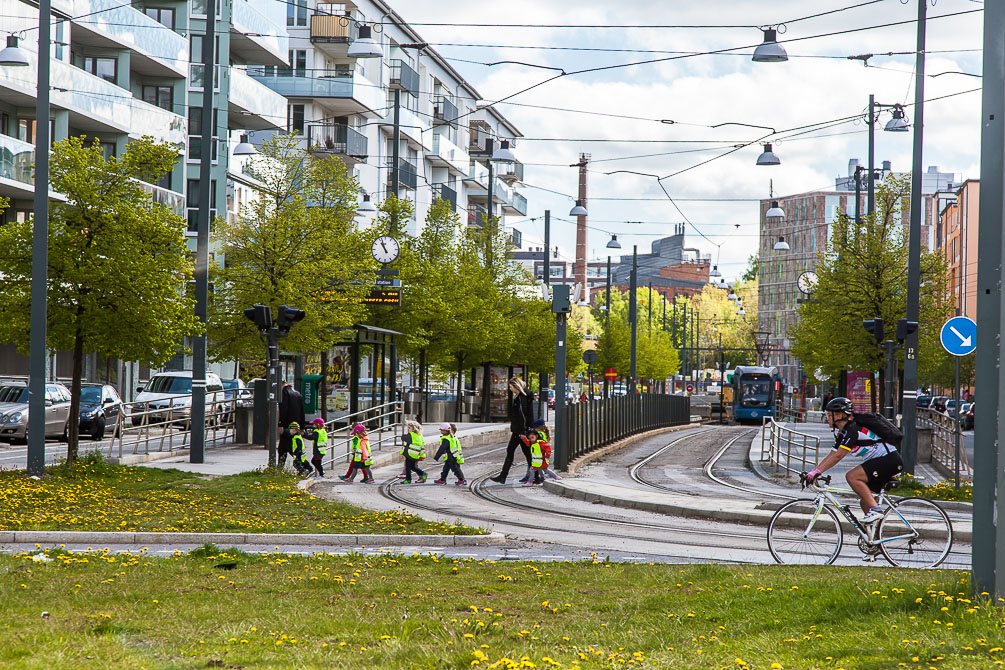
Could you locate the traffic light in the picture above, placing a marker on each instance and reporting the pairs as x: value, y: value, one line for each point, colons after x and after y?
x: 260, y: 315
x: 288, y: 316
x: 905, y: 328
x: 875, y: 326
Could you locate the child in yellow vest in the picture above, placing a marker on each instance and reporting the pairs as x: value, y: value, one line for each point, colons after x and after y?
x: 414, y: 451
x: 360, y: 456
x: 545, y: 435
x: 299, y: 458
x: 451, y: 448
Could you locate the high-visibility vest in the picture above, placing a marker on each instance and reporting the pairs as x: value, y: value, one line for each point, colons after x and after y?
x: 361, y: 450
x: 455, y: 448
x: 321, y: 440
x: 298, y: 443
x: 417, y: 448
x: 536, y: 455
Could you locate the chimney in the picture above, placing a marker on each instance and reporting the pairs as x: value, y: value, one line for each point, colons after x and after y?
x: 933, y: 169
x: 887, y: 166
x: 852, y: 164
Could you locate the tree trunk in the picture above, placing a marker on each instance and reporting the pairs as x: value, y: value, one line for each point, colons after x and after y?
x: 324, y: 385
x: 74, y: 419
x: 460, y: 387
x: 423, y: 385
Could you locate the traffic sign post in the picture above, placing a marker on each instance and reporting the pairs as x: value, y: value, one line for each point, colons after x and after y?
x: 959, y: 336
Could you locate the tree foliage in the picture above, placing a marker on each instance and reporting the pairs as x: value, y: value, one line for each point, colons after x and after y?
x: 656, y: 357
x: 117, y: 263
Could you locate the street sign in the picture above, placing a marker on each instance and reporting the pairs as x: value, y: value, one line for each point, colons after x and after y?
x: 394, y: 283
x: 959, y: 336
x: 690, y: 388
x: 611, y: 374
x: 384, y: 296
x: 589, y: 356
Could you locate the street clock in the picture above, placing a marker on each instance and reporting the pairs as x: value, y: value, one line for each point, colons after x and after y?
x: 806, y: 282
x: 385, y: 249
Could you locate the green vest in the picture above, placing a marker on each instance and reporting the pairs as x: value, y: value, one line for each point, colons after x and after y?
x: 321, y: 441
x: 417, y: 448
x: 357, y: 451
x: 536, y: 455
x: 298, y: 443
x: 455, y: 448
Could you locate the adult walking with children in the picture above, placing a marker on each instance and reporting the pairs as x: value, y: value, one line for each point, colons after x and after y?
x: 521, y: 419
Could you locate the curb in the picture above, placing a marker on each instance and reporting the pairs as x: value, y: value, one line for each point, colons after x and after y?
x: 588, y: 458
x: 330, y: 540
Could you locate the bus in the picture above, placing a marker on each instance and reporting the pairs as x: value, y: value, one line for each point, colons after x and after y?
x: 757, y: 392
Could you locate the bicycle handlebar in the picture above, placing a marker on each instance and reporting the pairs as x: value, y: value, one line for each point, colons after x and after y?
x: 825, y: 479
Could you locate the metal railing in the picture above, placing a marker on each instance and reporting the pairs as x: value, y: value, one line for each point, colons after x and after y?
x: 384, y: 424
x: 403, y: 77
x: 944, y: 440
x: 594, y: 424
x: 407, y: 173
x: 165, y: 425
x: 336, y: 138
x: 444, y: 110
x: 444, y: 192
x: 778, y: 444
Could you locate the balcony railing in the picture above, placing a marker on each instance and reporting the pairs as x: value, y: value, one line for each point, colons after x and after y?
x: 336, y: 138
x: 444, y: 110
x: 128, y: 26
x: 518, y: 203
x: 322, y: 84
x: 511, y: 172
x: 404, y: 77
x: 444, y: 192
x: 476, y: 215
x: 330, y: 28
x: 407, y: 173
x: 17, y: 160
x: 175, y: 202
x: 255, y: 36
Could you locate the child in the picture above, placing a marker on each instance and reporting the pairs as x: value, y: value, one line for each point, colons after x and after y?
x: 320, y: 437
x: 450, y: 447
x: 360, y: 456
x: 412, y: 426
x: 545, y: 435
x: 299, y: 459
x: 414, y: 451
x: 536, y: 458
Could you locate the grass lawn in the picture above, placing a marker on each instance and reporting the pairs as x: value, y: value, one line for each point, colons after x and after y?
x: 393, y: 612
x: 97, y: 496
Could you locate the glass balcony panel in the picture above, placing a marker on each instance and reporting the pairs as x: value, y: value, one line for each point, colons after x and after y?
x: 404, y: 77
x: 94, y: 97
x: 260, y: 105
x: 455, y: 157
x: 325, y: 84
x: 258, y: 38
x: 336, y: 138
x: 17, y: 160
x: 444, y: 192
x: 133, y: 29
x: 175, y: 202
x: 159, y: 123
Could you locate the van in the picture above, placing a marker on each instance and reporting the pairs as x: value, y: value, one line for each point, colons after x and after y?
x: 169, y: 396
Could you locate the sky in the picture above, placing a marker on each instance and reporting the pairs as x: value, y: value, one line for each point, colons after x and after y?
x: 621, y: 116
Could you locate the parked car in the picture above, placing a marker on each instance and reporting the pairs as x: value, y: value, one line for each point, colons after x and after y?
x: 551, y: 398
x: 14, y: 411
x: 169, y: 396
x: 99, y: 407
x: 951, y: 407
x: 923, y: 402
x: 967, y: 416
x: 236, y: 388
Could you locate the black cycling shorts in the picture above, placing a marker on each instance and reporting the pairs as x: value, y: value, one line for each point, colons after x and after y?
x: 879, y: 471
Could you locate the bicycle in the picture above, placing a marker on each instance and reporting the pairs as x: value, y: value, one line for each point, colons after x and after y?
x: 914, y: 532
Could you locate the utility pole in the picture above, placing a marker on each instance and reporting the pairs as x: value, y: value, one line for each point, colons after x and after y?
x: 547, y: 282
x: 871, y: 200
x: 562, y: 307
x: 633, y: 314
x: 579, y: 265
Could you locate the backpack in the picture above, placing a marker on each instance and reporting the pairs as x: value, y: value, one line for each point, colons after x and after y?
x: 885, y: 429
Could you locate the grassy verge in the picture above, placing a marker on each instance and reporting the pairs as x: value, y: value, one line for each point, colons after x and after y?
x: 945, y: 490
x: 97, y: 496
x: 135, y: 611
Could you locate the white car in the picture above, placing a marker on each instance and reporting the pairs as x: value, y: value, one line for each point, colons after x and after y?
x: 168, y: 396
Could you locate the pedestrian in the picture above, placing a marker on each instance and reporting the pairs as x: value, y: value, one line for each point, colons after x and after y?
x: 413, y: 427
x: 414, y: 451
x: 297, y: 444
x: 320, y: 437
x: 291, y: 409
x: 521, y: 417
x: 361, y: 459
x: 451, y: 448
x: 536, y: 459
x: 545, y: 436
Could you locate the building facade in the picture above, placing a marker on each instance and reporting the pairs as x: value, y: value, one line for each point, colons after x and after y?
x: 956, y: 239
x: 670, y: 268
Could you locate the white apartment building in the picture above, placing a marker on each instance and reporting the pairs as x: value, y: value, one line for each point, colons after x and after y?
x: 346, y: 107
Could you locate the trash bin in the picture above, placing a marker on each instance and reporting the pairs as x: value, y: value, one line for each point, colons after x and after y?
x: 439, y: 411
x: 413, y: 402
x: 244, y: 425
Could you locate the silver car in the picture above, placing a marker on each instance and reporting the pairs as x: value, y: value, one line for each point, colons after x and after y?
x: 14, y: 411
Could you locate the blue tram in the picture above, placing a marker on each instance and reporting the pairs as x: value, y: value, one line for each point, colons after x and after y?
x: 757, y: 392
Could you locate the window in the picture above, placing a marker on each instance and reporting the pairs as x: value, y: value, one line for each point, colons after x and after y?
x: 162, y: 15
x: 162, y: 96
x: 295, y: 118
x: 104, y: 67
x: 195, y: 120
x: 107, y: 149
x: 26, y: 131
x: 296, y: 13
x: 195, y: 46
x: 192, y: 195
x: 4, y: 123
x: 198, y: 7
x: 298, y: 64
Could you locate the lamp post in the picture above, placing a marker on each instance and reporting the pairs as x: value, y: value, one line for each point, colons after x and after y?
x: 897, y: 124
x: 633, y: 315
x: 612, y: 244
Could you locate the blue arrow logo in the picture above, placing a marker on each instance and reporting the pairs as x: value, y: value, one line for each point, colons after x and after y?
x: 959, y: 336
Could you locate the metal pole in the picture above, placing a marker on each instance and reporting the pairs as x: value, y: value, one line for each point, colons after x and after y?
x: 39, y: 255
x: 891, y: 373
x: 607, y: 321
x: 561, y: 452
x: 858, y: 194
x: 491, y: 188
x: 871, y: 199
x: 650, y: 310
x: 956, y: 434
x: 272, y: 409
x: 201, y: 274
x: 988, y: 554
x: 395, y: 156
x: 547, y: 247
x: 633, y: 315
x: 909, y: 446
x: 722, y: 382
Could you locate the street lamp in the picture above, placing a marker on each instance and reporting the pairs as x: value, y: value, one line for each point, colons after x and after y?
x: 364, y: 46
x: 781, y: 244
x: 768, y: 156
x: 770, y: 51
x: 898, y: 124
x: 613, y: 243
x: 245, y: 148
x: 774, y: 212
x: 503, y: 154
x: 715, y: 272
x: 366, y: 206
x: 12, y: 54
x: 579, y: 210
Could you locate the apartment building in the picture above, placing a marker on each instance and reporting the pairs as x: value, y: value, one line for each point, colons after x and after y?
x: 670, y: 267
x: 346, y: 106
x: 805, y: 225
x: 121, y: 71
x: 956, y: 239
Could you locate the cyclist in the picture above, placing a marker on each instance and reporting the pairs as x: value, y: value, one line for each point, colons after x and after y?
x: 882, y: 461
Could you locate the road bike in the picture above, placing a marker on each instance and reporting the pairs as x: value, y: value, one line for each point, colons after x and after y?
x: 914, y: 532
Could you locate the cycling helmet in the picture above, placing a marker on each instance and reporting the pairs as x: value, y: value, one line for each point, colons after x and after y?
x: 840, y: 404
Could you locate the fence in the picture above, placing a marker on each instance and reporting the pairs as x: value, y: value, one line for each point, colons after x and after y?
x: 944, y: 436
x: 593, y: 424
x: 165, y: 425
x: 779, y: 442
x: 384, y: 425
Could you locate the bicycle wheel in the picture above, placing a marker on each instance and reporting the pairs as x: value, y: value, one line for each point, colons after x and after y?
x: 799, y: 534
x: 915, y: 533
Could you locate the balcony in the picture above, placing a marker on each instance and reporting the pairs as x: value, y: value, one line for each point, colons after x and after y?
x: 110, y: 24
x: 478, y: 175
x: 344, y: 92
x: 333, y: 34
x: 403, y: 77
x: 479, y: 135
x: 253, y: 104
x: 444, y: 110
x: 159, y: 123
x: 254, y: 37
x: 444, y: 192
x: 515, y: 203
x: 175, y: 202
x: 410, y: 125
x: 477, y: 215
x: 94, y: 104
x: 447, y: 154
x: 511, y: 172
x: 17, y: 168
x: 336, y: 139
x: 407, y: 173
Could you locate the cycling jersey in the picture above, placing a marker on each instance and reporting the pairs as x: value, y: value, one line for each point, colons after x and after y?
x: 862, y: 442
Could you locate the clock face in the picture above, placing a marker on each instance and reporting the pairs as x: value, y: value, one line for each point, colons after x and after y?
x: 807, y: 282
x: 385, y: 249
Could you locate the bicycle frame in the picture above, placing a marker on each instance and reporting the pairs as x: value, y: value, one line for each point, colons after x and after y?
x: 825, y: 495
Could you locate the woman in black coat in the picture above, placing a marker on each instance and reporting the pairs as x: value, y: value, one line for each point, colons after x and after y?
x: 521, y: 419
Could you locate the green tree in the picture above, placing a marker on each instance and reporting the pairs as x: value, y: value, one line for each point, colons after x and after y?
x: 863, y: 274
x: 297, y: 245
x: 117, y: 264
x: 750, y: 274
